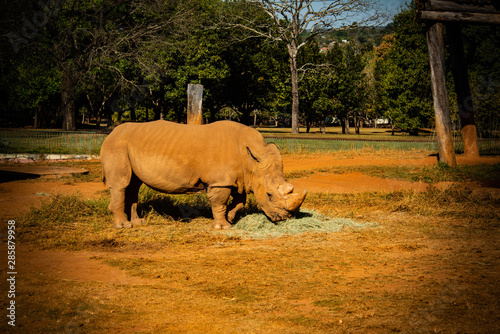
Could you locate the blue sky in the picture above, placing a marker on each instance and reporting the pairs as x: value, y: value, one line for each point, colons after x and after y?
x: 392, y: 7
x: 394, y: 4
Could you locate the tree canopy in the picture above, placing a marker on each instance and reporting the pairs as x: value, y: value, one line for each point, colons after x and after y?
x: 67, y: 62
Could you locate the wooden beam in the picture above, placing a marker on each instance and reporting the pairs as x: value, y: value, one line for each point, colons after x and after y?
x: 440, y: 95
x: 462, y: 87
x: 195, y: 99
x: 464, y: 17
x: 452, y: 6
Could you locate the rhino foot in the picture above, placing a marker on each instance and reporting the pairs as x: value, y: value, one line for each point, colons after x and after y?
x: 123, y: 224
x: 217, y: 225
x: 138, y: 221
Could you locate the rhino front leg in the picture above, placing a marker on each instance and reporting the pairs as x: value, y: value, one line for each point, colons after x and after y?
x: 218, y: 198
x: 239, y: 201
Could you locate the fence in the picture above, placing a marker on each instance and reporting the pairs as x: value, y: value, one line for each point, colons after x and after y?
x: 314, y: 145
x: 305, y: 145
x: 43, y: 141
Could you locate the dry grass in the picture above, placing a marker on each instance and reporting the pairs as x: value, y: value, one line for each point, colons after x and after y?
x: 430, y: 265
x: 258, y: 226
x: 80, y: 223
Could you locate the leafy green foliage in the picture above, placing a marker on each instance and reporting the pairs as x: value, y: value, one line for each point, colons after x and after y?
x: 482, y: 52
x: 132, y: 61
x: 403, y: 75
x: 335, y: 86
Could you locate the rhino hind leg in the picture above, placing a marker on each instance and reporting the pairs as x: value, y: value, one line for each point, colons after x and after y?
x: 131, y: 200
x: 218, y: 197
x: 117, y: 207
x: 124, y: 189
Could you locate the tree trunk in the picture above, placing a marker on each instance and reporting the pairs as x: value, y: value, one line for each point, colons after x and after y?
x: 68, y: 104
x: 98, y: 121
x: 133, y: 116
x: 38, y: 113
x: 440, y: 95
x: 462, y: 87
x: 292, y: 50
x: 194, y: 107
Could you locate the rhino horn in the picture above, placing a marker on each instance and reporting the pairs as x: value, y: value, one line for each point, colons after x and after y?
x: 285, y: 189
x: 294, y: 201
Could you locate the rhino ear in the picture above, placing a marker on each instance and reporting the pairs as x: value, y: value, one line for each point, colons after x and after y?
x: 253, y: 155
x: 272, y: 147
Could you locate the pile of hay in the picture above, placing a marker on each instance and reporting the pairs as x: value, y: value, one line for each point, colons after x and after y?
x: 258, y: 226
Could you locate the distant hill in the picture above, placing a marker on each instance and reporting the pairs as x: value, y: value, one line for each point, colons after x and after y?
x: 361, y: 35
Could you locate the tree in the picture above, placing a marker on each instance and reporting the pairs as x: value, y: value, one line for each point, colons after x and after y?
x: 314, y: 99
x: 239, y: 74
x: 482, y: 50
x: 85, y: 39
x: 288, y: 20
x: 254, y: 68
x: 402, y: 75
x: 347, y: 84
x: 31, y: 84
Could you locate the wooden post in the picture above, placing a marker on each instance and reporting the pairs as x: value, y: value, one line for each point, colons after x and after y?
x: 195, y: 99
x: 440, y: 94
x: 460, y: 17
x: 462, y: 87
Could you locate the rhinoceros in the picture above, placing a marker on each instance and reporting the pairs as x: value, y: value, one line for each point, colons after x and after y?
x: 224, y: 159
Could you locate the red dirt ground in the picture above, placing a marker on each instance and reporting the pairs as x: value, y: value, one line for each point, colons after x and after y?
x: 17, y: 196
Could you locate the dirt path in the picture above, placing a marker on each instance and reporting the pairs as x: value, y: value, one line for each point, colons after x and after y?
x: 301, y: 162
x: 355, y: 182
x: 17, y: 197
x: 79, y: 267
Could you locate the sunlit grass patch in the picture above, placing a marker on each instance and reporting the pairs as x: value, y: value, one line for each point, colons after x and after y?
x: 64, y: 221
x: 455, y: 201
x: 75, y: 223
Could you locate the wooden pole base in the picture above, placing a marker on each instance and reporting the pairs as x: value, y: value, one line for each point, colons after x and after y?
x: 440, y: 95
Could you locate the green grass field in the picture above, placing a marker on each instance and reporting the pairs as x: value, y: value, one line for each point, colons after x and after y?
x: 51, y: 141
x: 336, y: 133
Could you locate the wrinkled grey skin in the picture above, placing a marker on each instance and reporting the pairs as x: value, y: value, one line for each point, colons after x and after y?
x: 224, y: 159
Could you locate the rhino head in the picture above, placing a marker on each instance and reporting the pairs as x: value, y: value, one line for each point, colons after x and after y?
x: 274, y: 195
